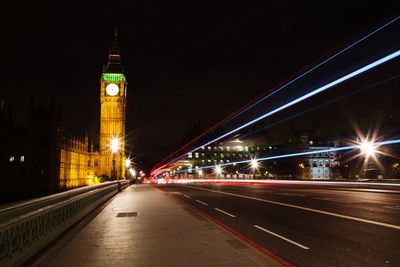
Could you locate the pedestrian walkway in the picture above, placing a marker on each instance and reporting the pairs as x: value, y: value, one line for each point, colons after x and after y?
x: 143, y: 226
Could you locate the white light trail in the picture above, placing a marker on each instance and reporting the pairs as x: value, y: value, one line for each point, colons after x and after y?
x: 308, y: 95
x: 310, y: 70
x: 315, y: 67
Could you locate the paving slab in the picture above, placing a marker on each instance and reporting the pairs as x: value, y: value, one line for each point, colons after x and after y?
x: 143, y: 226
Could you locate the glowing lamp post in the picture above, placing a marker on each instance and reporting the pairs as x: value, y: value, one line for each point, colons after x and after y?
x: 114, y: 149
x: 132, y: 172
x: 254, y: 165
x: 368, y: 148
x: 218, y: 170
x: 128, y: 163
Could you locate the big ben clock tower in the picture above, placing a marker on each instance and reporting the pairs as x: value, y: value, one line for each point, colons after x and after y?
x: 113, y: 87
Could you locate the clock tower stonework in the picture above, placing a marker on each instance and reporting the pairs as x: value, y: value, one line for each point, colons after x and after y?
x: 113, y: 87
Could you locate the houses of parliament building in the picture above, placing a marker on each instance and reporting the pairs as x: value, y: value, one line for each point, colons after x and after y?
x: 40, y: 158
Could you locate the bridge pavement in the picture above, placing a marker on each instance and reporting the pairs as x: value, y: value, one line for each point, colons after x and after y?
x: 142, y: 226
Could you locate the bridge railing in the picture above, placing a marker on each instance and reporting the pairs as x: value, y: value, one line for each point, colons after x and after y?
x: 28, y: 226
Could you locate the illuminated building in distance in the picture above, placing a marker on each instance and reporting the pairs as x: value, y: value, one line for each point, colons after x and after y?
x: 113, y: 86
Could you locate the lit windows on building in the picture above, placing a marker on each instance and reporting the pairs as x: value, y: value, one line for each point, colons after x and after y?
x: 190, y: 155
x: 321, y: 163
x: 196, y: 155
x: 22, y: 159
x: 12, y: 158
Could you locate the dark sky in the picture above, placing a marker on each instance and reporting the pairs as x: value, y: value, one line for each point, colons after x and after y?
x: 187, y: 61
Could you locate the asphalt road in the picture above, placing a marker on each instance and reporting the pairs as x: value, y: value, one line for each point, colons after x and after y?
x: 306, y: 226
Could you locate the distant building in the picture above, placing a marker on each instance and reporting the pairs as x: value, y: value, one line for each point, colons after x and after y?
x: 321, y: 164
x: 77, y: 162
x: 40, y: 158
x: 113, y: 90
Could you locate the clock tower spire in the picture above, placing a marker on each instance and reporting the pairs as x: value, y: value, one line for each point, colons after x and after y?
x: 113, y: 86
x: 114, y: 57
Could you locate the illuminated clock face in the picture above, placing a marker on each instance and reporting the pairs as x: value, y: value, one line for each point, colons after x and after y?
x: 112, y: 89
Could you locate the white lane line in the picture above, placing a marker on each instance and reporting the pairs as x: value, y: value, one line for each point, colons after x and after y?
x: 186, y: 196
x: 397, y: 227
x: 201, y: 202
x: 227, y: 213
x: 281, y: 237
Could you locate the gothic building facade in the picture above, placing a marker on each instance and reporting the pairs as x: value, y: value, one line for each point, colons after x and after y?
x: 40, y: 158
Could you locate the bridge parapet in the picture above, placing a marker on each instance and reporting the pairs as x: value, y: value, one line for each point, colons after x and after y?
x: 28, y: 226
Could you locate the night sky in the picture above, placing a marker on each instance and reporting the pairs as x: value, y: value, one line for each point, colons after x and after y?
x: 184, y: 62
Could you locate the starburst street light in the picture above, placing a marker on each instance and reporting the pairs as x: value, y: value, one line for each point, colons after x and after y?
x: 132, y: 172
x: 218, y: 170
x: 114, y: 145
x: 368, y: 148
x: 369, y: 151
x: 254, y: 164
x: 128, y: 163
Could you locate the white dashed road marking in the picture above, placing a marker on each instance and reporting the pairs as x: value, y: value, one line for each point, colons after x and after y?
x: 393, y: 226
x: 227, y: 213
x: 201, y: 202
x: 281, y: 237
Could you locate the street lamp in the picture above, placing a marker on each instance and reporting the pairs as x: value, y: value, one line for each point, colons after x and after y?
x: 128, y: 163
x: 114, y: 149
x: 368, y: 148
x: 218, y: 170
x: 254, y: 165
x: 132, y: 172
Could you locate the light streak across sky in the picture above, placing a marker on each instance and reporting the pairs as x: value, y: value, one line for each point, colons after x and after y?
x: 314, y: 67
x: 310, y: 94
x: 327, y: 103
x: 306, y: 96
x: 250, y: 105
